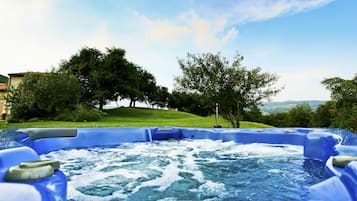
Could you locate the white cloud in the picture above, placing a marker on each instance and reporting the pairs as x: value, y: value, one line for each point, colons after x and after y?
x: 301, y: 83
x: 37, y: 34
x: 32, y: 11
x: 258, y: 10
x: 210, y: 34
x: 163, y: 30
x: 214, y: 31
x: 204, y: 34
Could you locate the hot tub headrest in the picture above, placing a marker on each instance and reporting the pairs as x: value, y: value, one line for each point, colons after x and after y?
x: 38, y: 133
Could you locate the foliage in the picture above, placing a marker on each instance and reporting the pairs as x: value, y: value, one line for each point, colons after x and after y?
x: 300, y: 115
x: 278, y: 119
x: 84, y: 66
x: 141, y: 86
x: 344, y: 93
x: 324, y: 115
x: 285, y: 106
x: 160, y: 97
x: 233, y: 86
x: 108, y: 76
x: 80, y: 114
x: 191, y: 102
x: 43, y: 95
x: 253, y: 114
x: 102, y: 76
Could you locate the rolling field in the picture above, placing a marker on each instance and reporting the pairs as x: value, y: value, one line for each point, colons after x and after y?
x: 138, y: 117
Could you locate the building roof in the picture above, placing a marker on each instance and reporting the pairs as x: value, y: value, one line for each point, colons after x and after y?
x: 3, y: 87
x: 22, y: 74
x: 3, y: 79
x: 17, y: 74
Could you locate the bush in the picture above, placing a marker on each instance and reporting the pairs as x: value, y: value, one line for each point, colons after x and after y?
x: 277, y: 119
x: 80, y: 114
x: 35, y: 119
x: 324, y: 115
x: 11, y: 119
x: 43, y: 95
x: 300, y: 115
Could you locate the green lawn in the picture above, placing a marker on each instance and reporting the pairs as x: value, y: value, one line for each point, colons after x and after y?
x: 130, y: 117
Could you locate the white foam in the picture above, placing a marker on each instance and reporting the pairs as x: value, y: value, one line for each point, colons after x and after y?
x: 211, y: 189
x: 168, y: 199
x: 156, y: 165
x: 275, y: 171
x: 169, y: 175
x: 255, y: 150
x: 70, y: 154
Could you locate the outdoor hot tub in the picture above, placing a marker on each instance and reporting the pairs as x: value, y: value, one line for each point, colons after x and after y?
x: 172, y: 163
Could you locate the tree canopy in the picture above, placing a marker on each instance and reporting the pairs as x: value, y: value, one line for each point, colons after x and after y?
x: 101, y: 75
x: 300, y: 115
x: 89, y: 78
x: 324, y: 115
x: 108, y: 76
x: 344, y: 93
x: 233, y: 86
x: 194, y: 103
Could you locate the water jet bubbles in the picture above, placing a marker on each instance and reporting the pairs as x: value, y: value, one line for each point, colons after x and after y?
x: 200, y: 169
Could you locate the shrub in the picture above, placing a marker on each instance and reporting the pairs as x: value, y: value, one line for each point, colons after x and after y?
x: 35, y: 119
x: 43, y: 95
x: 11, y: 119
x: 80, y: 114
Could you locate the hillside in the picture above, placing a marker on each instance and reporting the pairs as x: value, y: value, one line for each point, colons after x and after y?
x: 136, y: 117
x: 275, y: 107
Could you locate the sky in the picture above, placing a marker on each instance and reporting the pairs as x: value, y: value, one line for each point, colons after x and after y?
x: 302, y: 41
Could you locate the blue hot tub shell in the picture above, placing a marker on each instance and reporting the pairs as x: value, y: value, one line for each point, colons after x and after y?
x: 319, y: 144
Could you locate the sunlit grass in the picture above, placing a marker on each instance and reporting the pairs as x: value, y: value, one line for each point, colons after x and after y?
x: 134, y: 117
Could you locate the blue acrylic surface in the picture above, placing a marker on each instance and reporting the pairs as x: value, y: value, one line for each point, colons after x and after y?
x: 318, y: 144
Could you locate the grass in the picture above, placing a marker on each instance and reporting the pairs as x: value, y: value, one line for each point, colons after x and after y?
x: 136, y: 117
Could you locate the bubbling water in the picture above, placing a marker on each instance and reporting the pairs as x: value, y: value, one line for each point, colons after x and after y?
x: 188, y: 170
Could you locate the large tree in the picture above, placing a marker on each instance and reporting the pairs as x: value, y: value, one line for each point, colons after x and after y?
x: 102, y: 76
x: 140, y: 86
x: 159, y: 97
x: 344, y: 93
x: 83, y: 65
x: 233, y: 86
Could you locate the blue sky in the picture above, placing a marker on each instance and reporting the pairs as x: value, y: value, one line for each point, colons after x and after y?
x: 302, y: 41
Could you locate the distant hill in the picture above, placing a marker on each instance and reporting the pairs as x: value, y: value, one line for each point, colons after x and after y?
x: 275, y: 107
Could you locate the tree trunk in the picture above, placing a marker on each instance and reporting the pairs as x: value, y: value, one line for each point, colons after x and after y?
x: 234, y: 120
x: 237, y: 123
x: 131, y: 103
x: 101, y: 104
x: 237, y: 117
